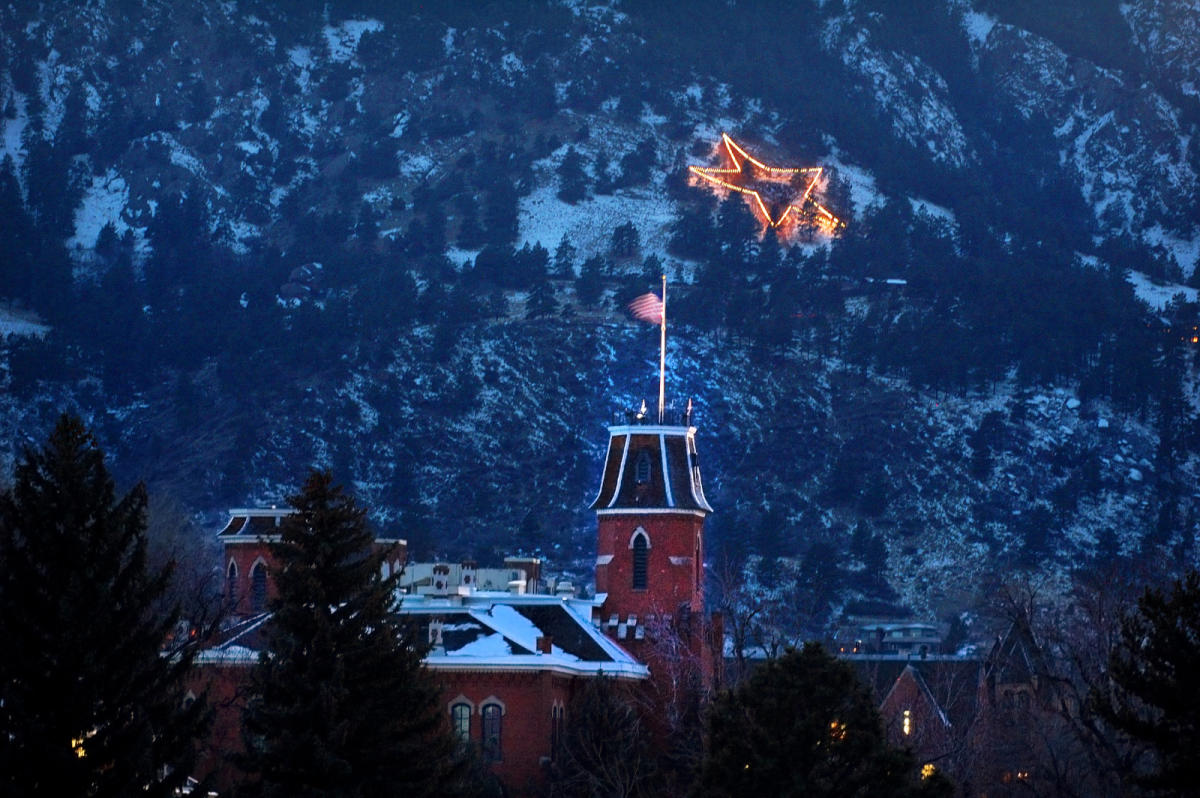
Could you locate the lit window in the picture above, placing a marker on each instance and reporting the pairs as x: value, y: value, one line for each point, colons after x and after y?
x: 460, y: 721
x: 492, y: 726
x: 641, y: 552
x: 927, y: 770
x: 837, y: 730
x: 907, y: 723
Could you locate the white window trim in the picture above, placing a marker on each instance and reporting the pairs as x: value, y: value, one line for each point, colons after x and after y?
x: 640, y: 531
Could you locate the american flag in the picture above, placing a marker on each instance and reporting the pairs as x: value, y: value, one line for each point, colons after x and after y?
x: 647, y: 307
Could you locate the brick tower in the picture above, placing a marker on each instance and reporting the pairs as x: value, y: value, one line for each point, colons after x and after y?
x: 650, y: 541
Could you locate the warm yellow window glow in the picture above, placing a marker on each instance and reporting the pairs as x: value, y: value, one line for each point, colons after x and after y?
x: 908, y: 721
x: 927, y: 770
x: 77, y: 747
x: 837, y: 730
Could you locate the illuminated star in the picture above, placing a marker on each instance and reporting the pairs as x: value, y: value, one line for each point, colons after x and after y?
x: 774, y: 194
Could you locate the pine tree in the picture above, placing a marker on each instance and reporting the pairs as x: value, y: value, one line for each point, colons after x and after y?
x: 340, y: 703
x: 1154, y: 697
x: 90, y: 702
x: 589, y: 286
x: 803, y: 724
x: 572, y: 179
x: 541, y: 301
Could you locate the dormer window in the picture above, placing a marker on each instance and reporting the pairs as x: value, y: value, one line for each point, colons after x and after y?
x: 641, y: 471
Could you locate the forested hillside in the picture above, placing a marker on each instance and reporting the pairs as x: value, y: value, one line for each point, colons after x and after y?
x: 243, y: 238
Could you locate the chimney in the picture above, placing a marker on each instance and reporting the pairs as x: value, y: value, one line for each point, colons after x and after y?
x: 545, y: 644
x: 469, y: 574
x: 441, y: 579
x: 435, y: 632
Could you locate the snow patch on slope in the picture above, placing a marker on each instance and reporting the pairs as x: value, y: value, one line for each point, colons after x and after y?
x: 343, y: 39
x: 104, y: 202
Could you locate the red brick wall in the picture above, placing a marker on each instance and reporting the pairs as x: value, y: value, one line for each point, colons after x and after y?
x: 527, y: 699
x: 927, y: 737
x: 668, y: 584
x: 226, y: 685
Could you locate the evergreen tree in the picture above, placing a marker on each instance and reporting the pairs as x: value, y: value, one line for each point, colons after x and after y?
x: 89, y: 704
x: 340, y: 703
x: 564, y: 258
x: 572, y: 179
x: 803, y: 725
x: 625, y: 241
x: 590, y: 285
x: 541, y: 301
x: 1153, y: 696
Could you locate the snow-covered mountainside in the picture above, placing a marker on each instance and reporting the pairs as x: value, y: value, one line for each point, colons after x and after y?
x: 249, y: 238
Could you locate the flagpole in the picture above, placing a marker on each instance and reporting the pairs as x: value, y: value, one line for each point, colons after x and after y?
x: 662, y: 353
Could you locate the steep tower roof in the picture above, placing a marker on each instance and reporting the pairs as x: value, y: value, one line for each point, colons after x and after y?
x: 651, y: 467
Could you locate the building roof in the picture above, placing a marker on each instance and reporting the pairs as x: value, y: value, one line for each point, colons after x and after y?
x: 254, y: 523
x: 481, y: 631
x: 651, y: 467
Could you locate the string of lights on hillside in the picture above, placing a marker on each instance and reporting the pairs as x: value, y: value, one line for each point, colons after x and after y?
x: 774, y: 181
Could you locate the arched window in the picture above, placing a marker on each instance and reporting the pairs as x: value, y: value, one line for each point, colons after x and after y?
x: 557, y: 712
x: 641, y: 471
x: 231, y: 584
x: 641, y: 554
x: 460, y: 721
x: 258, y: 587
x: 493, y: 722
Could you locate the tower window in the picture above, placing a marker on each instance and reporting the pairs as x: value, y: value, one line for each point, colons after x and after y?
x: 258, y: 587
x: 493, y: 720
x: 641, y: 551
x: 641, y: 471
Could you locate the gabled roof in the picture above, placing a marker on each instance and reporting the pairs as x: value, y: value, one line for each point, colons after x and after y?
x: 1016, y: 658
x: 914, y: 674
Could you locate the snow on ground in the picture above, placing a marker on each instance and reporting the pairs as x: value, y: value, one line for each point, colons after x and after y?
x: 104, y: 201
x: 54, y: 85
x: 978, y: 26
x: 15, y: 322
x: 936, y: 211
x: 302, y: 59
x: 1157, y: 296
x: 415, y: 165
x: 863, y: 191
x: 589, y: 224
x: 1186, y: 251
x: 343, y: 39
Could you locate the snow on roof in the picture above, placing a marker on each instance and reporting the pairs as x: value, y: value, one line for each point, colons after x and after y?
x: 485, y: 631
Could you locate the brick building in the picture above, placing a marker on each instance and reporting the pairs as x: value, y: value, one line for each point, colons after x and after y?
x: 508, y: 648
